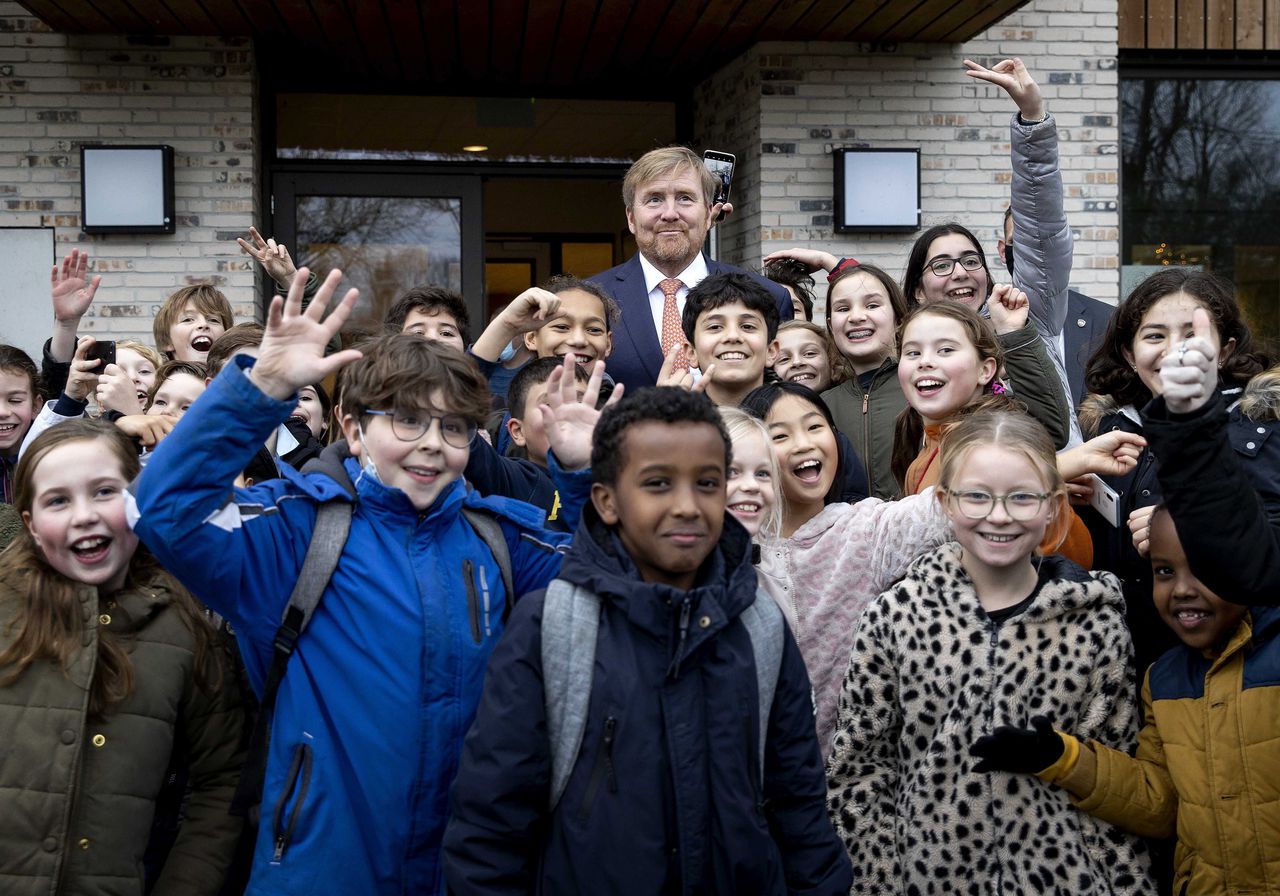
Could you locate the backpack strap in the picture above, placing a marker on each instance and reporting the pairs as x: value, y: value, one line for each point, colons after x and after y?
x: 333, y: 523
x: 764, y: 624
x: 490, y: 532
x: 570, y: 623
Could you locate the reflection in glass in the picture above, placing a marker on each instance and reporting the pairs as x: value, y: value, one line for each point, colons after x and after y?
x: 383, y: 245
x: 1201, y: 175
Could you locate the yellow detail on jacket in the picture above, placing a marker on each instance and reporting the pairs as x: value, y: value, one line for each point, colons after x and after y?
x: 1207, y: 766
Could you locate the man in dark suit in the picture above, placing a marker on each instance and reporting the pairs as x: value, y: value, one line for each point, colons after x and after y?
x: 668, y: 197
x: 1085, y: 325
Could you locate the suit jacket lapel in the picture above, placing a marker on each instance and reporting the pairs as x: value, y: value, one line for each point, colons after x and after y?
x: 637, y: 318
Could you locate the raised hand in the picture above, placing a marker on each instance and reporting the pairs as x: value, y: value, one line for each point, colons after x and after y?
x: 569, y: 420
x: 71, y: 293
x: 813, y: 259
x: 82, y: 379
x: 1110, y: 454
x: 673, y: 373
x: 1012, y: 76
x: 117, y: 392
x: 1013, y: 749
x: 532, y: 310
x: 273, y: 257
x: 1008, y: 307
x: 292, y: 352
x: 1189, y: 372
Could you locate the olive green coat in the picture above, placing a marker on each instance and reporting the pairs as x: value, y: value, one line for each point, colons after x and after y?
x: 78, y: 794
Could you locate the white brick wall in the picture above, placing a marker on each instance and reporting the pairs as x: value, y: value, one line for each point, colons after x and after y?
x: 811, y: 97
x: 196, y: 94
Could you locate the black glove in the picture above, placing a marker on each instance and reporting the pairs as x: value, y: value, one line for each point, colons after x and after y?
x: 1024, y: 750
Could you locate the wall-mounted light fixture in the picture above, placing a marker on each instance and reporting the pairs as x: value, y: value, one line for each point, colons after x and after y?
x: 126, y: 189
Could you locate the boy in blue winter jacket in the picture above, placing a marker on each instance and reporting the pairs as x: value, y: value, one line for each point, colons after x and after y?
x: 384, y: 680
x: 665, y: 791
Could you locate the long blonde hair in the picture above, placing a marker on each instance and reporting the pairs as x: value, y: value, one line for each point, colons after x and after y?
x: 740, y: 424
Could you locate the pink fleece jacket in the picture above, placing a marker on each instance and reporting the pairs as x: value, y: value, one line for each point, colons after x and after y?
x: 834, y: 565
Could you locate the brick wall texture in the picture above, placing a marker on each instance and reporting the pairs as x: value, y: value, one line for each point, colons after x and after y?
x: 784, y: 107
x: 196, y: 94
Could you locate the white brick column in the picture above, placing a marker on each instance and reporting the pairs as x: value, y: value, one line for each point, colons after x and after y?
x: 58, y: 92
x: 812, y: 97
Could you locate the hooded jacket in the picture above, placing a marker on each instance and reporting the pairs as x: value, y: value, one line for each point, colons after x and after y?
x: 385, y: 679
x: 1206, y: 764
x: 665, y: 796
x: 80, y: 792
x: 930, y: 672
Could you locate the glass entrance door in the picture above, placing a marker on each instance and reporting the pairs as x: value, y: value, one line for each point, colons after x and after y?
x: 386, y: 231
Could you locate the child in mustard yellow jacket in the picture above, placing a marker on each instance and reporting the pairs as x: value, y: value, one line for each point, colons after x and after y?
x: 1207, y: 766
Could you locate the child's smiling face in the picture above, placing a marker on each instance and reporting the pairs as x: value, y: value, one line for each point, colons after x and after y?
x: 421, y: 467
x: 668, y: 505
x: 18, y: 407
x: 806, y: 449
x: 193, y: 333
x: 735, y: 339
x: 1200, y: 618
x: 939, y: 367
x: 752, y: 493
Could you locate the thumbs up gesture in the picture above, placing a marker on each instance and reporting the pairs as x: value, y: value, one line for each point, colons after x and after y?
x: 1189, y: 372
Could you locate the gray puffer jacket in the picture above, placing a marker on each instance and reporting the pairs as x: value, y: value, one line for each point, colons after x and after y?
x: 1042, y: 239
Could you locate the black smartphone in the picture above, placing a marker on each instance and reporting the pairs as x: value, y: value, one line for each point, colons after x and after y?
x: 103, y: 350
x: 721, y: 165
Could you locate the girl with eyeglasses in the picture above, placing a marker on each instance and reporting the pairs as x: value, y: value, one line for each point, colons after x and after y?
x: 987, y: 630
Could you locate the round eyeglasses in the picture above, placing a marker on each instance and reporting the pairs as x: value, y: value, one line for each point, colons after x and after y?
x: 977, y: 505
x: 943, y: 267
x: 409, y: 426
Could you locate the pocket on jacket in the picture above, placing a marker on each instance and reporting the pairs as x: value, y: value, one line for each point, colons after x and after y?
x: 603, y: 772
x: 289, y: 806
x: 473, y: 599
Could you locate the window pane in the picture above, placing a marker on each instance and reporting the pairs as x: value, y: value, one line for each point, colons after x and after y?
x: 1201, y: 172
x: 384, y: 245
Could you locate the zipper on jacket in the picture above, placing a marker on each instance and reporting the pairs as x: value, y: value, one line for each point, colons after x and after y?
x: 602, y: 769
x: 866, y: 441
x: 673, y: 671
x: 297, y: 782
x: 484, y: 590
x: 473, y: 602
x: 993, y: 644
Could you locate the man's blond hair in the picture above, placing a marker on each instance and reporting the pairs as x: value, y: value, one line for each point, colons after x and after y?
x: 661, y: 162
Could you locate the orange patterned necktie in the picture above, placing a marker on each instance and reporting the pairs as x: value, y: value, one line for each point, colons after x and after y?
x: 672, y: 331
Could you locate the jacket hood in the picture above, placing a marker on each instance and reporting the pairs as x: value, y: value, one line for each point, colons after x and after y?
x: 725, y: 585
x: 1067, y: 587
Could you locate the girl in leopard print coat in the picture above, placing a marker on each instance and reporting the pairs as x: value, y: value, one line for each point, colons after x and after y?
x: 984, y: 632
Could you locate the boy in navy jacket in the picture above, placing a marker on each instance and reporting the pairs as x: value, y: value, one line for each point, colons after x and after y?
x: 666, y: 794
x: 384, y: 680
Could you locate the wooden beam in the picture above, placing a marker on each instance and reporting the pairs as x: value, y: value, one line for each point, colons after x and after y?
x: 1133, y: 24
x: 507, y: 41
x: 1220, y: 25
x: 1191, y: 24
x: 1162, y: 33
x: 404, y: 22
x: 611, y: 28
x: 1249, y: 25
x: 575, y: 24
x: 474, y: 22
x: 542, y: 21
x: 440, y: 28
x: 1271, y: 36
x: 86, y: 18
